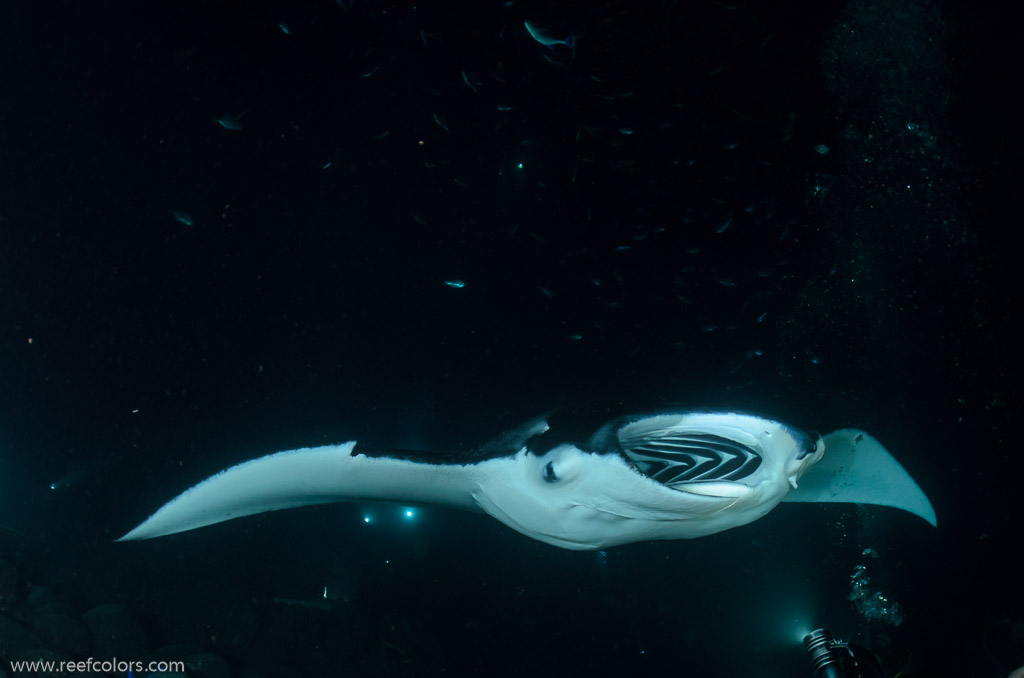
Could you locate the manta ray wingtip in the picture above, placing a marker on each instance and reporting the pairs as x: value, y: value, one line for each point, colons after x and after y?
x: 857, y: 469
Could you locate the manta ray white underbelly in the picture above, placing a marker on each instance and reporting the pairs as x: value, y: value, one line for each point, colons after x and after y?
x: 674, y: 475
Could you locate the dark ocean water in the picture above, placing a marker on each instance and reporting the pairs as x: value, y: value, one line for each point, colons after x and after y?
x: 226, y: 230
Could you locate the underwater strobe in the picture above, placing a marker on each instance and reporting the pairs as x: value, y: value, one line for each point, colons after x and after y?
x: 838, y: 659
x: 825, y: 652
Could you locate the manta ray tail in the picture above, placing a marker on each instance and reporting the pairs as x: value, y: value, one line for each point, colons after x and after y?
x: 857, y: 469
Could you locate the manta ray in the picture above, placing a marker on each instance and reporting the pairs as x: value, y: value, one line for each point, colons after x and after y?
x: 669, y: 475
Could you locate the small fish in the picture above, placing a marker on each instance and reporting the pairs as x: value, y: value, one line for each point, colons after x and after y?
x: 457, y: 284
x: 440, y: 122
x: 182, y: 217
x: 232, y: 122
x: 543, y: 38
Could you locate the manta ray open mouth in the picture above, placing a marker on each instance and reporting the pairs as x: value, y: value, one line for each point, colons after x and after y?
x: 674, y: 458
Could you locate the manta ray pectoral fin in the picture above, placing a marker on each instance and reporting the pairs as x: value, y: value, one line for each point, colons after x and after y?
x: 304, y: 477
x: 857, y: 469
x: 277, y: 481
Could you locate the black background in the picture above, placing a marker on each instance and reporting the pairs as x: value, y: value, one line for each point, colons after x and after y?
x: 672, y: 237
